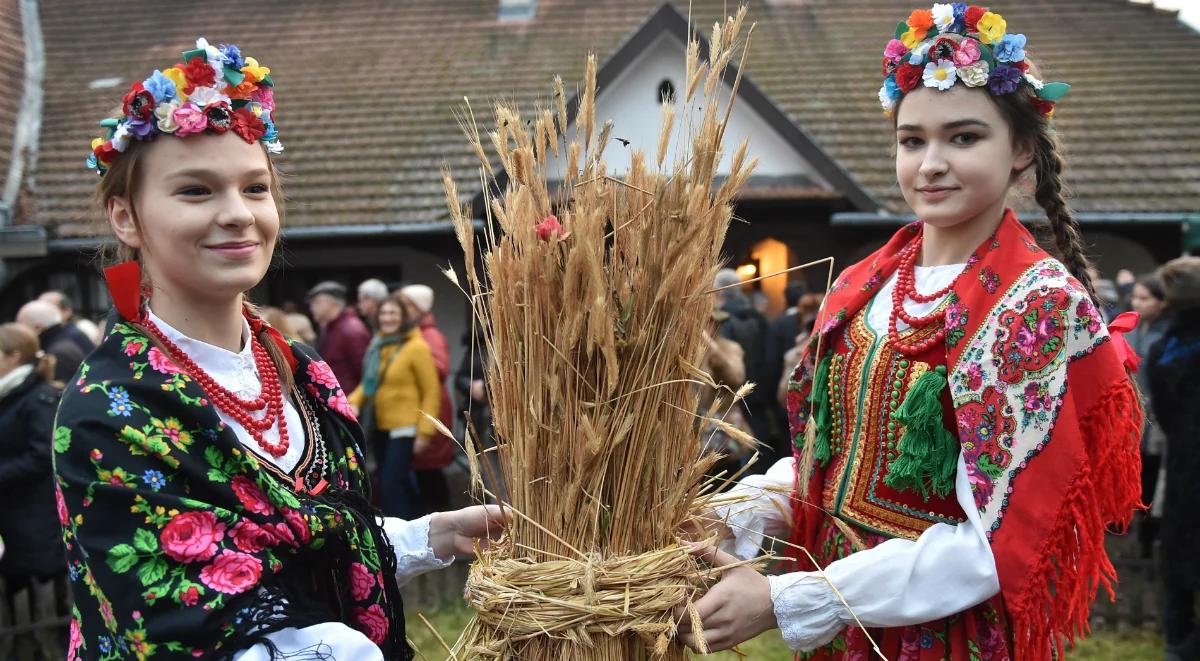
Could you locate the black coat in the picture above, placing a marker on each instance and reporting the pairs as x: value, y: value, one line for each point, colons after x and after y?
x: 29, y: 523
x: 68, y: 354
x: 1174, y: 370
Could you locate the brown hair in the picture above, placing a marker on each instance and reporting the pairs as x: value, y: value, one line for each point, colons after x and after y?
x: 18, y: 339
x: 121, y: 181
x: 1181, y: 282
x: 406, y: 321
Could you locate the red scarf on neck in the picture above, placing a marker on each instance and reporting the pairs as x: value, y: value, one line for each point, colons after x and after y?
x: 1048, y: 421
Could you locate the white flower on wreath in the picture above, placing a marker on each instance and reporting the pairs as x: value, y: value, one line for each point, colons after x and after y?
x: 975, y: 75
x: 216, y: 61
x: 1034, y: 81
x: 165, y: 112
x: 886, y: 99
x: 203, y: 96
x: 943, y: 16
x: 120, y: 138
x: 274, y: 147
x: 939, y: 74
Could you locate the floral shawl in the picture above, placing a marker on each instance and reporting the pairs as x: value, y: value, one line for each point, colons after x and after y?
x: 1048, y: 422
x: 182, y: 543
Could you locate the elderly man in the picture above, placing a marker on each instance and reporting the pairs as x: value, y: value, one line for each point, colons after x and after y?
x: 46, y: 320
x: 82, y: 332
x: 371, y: 293
x: 344, y: 337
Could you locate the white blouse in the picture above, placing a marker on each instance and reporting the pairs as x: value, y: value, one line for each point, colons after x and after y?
x: 238, y: 373
x: 946, y: 570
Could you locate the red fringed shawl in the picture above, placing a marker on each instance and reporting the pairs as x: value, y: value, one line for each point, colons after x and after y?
x: 1048, y: 422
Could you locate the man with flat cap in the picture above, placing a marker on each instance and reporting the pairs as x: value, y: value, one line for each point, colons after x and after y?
x: 344, y: 337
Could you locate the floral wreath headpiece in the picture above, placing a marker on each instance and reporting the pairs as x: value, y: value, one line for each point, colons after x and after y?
x: 213, y: 90
x: 957, y: 41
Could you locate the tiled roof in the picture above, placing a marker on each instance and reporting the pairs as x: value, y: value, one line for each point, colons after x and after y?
x: 367, y: 89
x: 12, y: 79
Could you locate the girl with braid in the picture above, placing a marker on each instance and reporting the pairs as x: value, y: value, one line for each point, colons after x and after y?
x: 965, y: 426
x: 210, y: 476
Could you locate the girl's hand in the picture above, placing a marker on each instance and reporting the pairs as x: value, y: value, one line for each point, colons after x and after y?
x: 455, y: 533
x: 735, y: 610
x: 704, y: 525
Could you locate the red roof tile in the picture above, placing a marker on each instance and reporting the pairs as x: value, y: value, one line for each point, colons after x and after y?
x: 367, y: 89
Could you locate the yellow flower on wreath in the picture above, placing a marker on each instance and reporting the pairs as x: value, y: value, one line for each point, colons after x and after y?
x: 177, y: 76
x: 255, y: 72
x: 992, y: 27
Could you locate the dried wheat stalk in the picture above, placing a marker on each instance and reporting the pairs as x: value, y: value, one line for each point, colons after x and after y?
x: 592, y: 334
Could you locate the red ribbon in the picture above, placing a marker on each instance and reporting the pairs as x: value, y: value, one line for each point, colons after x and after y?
x: 125, y: 289
x: 1125, y: 322
x: 258, y: 325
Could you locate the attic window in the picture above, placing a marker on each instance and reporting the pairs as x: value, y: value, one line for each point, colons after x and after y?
x: 104, y: 83
x: 516, y: 10
x: 666, y: 91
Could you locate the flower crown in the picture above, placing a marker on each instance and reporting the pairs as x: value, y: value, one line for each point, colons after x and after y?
x: 980, y: 54
x: 213, y: 90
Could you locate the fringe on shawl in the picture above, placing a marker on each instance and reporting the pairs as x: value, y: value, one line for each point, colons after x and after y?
x: 1052, y: 611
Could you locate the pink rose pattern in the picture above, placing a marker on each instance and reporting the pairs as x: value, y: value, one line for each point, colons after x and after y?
x: 192, y: 536
x: 251, y: 496
x: 232, y: 572
x: 361, y: 581
x: 161, y: 363
x: 373, y: 622
x: 198, y: 538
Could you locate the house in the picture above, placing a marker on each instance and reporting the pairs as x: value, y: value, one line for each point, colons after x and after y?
x: 368, y: 93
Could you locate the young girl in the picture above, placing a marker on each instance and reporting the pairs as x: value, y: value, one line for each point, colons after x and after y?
x: 210, y: 484
x: 965, y: 425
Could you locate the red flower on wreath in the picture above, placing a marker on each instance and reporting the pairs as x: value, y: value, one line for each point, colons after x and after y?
x: 908, y: 76
x: 973, y: 14
x: 139, y: 103
x: 548, y: 227
x: 247, y: 125
x: 198, y: 74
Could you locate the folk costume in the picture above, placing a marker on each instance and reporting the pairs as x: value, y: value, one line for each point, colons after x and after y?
x: 207, y: 510
x: 972, y: 477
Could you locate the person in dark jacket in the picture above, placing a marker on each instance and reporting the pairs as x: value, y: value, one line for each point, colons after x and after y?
x: 750, y: 329
x: 1174, y: 372
x: 782, y: 338
x: 1149, y: 301
x: 54, y: 337
x: 344, y: 337
x: 81, y: 331
x: 28, y: 400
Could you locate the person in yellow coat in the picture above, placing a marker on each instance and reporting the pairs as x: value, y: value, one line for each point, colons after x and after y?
x: 399, y: 382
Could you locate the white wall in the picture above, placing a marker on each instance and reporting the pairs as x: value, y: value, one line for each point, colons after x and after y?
x: 632, y: 102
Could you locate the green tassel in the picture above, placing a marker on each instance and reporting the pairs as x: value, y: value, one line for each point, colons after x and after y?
x: 928, y: 457
x: 821, y: 419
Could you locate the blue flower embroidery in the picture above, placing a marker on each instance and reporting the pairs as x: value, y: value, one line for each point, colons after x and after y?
x: 118, y: 403
x: 153, y: 479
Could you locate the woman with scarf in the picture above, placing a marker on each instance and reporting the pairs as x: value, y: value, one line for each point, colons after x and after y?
x: 400, y: 382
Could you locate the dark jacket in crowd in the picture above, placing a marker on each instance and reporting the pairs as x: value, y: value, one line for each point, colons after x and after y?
x: 68, y: 353
x: 1174, y: 371
x: 78, y: 338
x: 30, y: 525
x: 752, y: 332
x: 342, y: 345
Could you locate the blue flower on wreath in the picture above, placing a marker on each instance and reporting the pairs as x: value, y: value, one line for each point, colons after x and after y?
x: 960, y: 17
x: 118, y: 403
x: 233, y: 56
x: 154, y: 479
x: 1011, y: 48
x: 160, y: 87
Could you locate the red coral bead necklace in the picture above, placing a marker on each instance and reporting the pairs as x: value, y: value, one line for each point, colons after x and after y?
x: 241, y: 410
x: 906, y: 289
